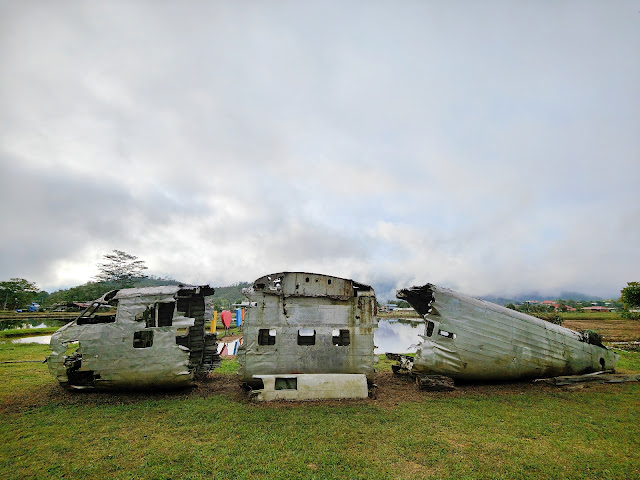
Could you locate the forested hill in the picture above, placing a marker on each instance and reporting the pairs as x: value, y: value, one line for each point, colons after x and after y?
x: 226, y: 296
x: 92, y: 290
x: 526, y: 297
x: 223, y: 297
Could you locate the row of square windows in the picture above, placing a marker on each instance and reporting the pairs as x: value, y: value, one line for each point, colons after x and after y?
x: 340, y: 338
x: 266, y: 336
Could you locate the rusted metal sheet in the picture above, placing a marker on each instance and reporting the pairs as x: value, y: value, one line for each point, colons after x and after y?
x: 155, y: 339
x: 467, y: 338
x: 430, y: 382
x: 307, y: 323
x: 607, y: 376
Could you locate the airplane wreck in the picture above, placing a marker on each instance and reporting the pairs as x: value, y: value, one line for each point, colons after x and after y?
x: 156, y: 339
x: 308, y: 336
x: 470, y: 339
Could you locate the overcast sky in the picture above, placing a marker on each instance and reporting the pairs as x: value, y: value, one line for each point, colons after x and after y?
x: 491, y: 147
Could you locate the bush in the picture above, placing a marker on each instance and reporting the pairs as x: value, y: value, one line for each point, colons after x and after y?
x: 550, y: 317
x: 630, y: 315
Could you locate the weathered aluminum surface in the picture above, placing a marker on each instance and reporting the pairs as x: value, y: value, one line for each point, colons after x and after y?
x: 596, y: 377
x: 166, y: 356
x: 467, y: 338
x: 311, y: 387
x: 289, y: 303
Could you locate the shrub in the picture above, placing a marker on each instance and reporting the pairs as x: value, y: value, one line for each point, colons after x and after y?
x: 550, y: 317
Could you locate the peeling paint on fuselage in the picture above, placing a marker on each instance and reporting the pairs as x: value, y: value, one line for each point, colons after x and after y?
x: 307, y: 323
x: 155, y: 340
x: 467, y: 338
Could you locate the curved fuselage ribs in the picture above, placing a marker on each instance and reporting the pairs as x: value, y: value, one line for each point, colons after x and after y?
x: 471, y: 339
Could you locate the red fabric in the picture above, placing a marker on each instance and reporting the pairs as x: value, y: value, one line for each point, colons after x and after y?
x: 225, y: 316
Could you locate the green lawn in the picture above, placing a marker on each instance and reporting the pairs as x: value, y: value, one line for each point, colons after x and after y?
x: 498, y: 431
x: 27, y: 332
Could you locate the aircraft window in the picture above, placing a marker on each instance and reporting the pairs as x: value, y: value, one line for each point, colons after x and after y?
x: 430, y: 327
x: 306, y: 337
x: 267, y: 336
x: 159, y: 315
x: 340, y: 337
x: 165, y: 314
x: 96, y: 320
x: 149, y: 316
x: 184, y: 306
x: 286, y: 383
x: 89, y: 317
x: 143, y: 339
x: 446, y: 334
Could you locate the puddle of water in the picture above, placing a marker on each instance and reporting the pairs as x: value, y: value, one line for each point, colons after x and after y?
x: 26, y: 323
x: 394, y: 336
x: 42, y: 339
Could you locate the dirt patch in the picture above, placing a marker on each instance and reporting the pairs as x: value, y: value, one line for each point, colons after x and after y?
x: 394, y: 390
x: 229, y: 339
x: 391, y: 392
x: 221, y: 384
x: 54, y: 394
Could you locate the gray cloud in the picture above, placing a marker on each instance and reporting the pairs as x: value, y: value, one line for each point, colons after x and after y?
x: 491, y: 147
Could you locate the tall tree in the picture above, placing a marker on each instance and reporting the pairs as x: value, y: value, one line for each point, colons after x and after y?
x: 121, y: 268
x: 17, y: 293
x: 631, y: 295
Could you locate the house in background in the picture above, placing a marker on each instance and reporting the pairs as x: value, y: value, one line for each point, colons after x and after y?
x: 598, y: 309
x: 557, y: 306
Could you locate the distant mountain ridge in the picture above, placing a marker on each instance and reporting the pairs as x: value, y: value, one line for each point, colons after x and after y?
x: 92, y: 290
x: 225, y: 296
x: 535, y: 296
x: 386, y: 290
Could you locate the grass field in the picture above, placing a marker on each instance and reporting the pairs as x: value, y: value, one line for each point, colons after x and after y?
x: 500, y: 431
x: 611, y: 329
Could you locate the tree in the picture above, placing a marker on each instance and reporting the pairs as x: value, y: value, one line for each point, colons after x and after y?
x: 17, y: 293
x: 41, y: 297
x: 121, y: 269
x: 82, y: 293
x: 631, y: 295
